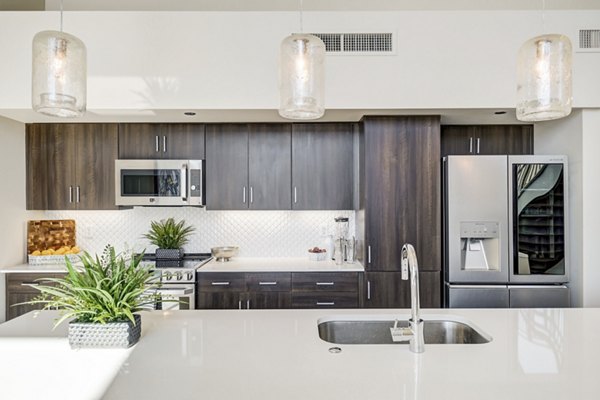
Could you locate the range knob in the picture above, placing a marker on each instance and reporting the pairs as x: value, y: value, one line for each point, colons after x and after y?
x: 167, y: 276
x: 179, y: 276
x: 190, y: 276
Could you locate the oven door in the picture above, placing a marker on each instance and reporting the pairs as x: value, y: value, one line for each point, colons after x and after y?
x: 151, y: 182
x: 176, y: 297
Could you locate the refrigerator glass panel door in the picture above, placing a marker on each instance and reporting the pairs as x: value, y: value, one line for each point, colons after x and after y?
x: 538, y: 215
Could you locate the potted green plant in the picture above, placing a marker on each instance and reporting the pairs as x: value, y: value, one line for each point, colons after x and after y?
x: 169, y: 237
x: 102, y: 296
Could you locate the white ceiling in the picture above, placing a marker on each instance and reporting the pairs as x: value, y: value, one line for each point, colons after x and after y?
x: 316, y: 5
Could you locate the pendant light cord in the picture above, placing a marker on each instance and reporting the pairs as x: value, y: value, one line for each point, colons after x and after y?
x: 301, y: 21
x: 61, y: 15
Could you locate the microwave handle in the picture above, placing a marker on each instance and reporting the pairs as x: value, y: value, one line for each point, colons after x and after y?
x: 184, y: 185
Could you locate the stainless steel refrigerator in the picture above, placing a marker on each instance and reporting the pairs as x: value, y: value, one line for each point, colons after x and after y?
x: 505, y: 231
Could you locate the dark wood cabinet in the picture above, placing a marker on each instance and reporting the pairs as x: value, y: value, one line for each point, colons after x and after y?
x: 402, y: 199
x: 20, y: 288
x: 388, y: 290
x: 161, y: 141
x: 322, y: 166
x: 486, y: 139
x: 325, y: 290
x: 71, y: 166
x: 248, y: 166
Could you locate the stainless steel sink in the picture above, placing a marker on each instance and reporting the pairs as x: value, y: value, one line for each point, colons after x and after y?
x: 446, y: 331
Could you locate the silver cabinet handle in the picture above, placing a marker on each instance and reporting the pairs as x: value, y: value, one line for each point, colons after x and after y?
x: 164, y: 144
x: 70, y: 194
x: 368, y: 290
x: 251, y: 195
x: 326, y: 303
x: 30, y: 284
x: 239, y: 304
x: 471, y: 145
x: 267, y: 283
x: 244, y: 195
x: 248, y: 304
x: 156, y: 143
x: 220, y: 283
x: 325, y: 283
x: 478, y: 140
x: 369, y: 254
x: 295, y: 194
x: 77, y: 194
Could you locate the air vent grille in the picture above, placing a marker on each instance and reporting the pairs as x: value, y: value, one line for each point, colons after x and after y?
x: 357, y: 43
x: 589, y: 39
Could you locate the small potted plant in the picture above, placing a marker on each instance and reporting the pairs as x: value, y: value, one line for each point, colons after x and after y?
x: 169, y: 237
x: 102, y: 297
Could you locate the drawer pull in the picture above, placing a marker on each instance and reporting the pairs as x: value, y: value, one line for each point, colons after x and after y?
x: 30, y: 284
x: 325, y: 283
x: 326, y: 303
x: 267, y: 283
x: 220, y: 283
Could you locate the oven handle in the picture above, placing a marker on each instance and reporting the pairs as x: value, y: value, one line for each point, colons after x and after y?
x: 175, y: 291
x: 184, y: 185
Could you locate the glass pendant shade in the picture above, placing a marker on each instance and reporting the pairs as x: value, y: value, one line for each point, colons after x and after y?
x: 544, y: 82
x: 59, y: 74
x: 302, y: 77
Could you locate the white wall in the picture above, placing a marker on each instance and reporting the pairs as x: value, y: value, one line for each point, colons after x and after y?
x: 13, y: 245
x: 565, y: 136
x: 228, y: 60
x: 591, y: 208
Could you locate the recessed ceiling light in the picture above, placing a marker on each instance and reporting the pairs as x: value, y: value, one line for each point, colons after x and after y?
x: 500, y: 112
x: 189, y: 113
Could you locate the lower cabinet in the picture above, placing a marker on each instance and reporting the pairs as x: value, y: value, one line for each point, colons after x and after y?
x: 19, y: 289
x: 257, y: 290
x: 388, y: 290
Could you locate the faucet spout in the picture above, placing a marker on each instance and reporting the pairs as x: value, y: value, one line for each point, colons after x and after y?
x: 410, y: 266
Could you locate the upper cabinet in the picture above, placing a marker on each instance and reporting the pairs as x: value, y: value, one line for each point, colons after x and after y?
x: 486, y: 139
x: 71, y: 166
x: 166, y: 141
x: 248, y: 166
x: 322, y: 166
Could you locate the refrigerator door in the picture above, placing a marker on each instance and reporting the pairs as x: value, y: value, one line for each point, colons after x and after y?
x: 476, y: 219
x: 539, y: 296
x: 538, y: 215
x: 481, y: 296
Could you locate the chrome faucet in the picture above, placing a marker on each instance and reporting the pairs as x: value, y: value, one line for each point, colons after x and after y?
x: 414, y: 333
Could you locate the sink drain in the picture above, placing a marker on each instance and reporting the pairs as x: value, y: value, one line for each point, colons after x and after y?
x: 335, y: 350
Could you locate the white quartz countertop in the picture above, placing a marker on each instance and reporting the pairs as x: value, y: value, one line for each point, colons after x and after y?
x: 547, y: 354
x: 278, y: 264
x: 34, y: 268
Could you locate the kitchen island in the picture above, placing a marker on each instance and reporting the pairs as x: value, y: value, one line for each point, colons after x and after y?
x: 278, y: 354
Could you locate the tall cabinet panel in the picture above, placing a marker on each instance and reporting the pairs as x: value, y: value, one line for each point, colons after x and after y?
x: 36, y: 143
x: 227, y: 167
x: 270, y: 166
x: 400, y: 189
x: 322, y: 166
x: 61, y: 167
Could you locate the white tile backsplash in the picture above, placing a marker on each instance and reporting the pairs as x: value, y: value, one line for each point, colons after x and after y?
x: 257, y: 233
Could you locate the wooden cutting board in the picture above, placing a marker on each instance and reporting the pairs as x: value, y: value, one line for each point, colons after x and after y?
x: 50, y: 234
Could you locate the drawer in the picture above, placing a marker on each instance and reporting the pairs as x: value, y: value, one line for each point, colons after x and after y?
x: 325, y: 282
x: 19, y: 282
x: 221, y: 282
x: 268, y: 282
x: 325, y: 300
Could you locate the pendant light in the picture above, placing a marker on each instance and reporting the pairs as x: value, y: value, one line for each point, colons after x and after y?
x: 544, y: 81
x: 302, y: 76
x: 59, y: 73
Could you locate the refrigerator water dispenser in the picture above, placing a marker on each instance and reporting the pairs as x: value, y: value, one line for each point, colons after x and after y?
x: 480, y: 248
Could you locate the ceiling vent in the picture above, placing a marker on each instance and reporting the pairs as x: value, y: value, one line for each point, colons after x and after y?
x: 358, y: 43
x: 589, y: 40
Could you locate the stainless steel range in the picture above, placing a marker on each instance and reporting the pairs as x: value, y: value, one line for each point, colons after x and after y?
x: 178, y: 280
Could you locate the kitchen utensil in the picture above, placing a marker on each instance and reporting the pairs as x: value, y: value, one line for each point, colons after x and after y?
x: 224, y: 253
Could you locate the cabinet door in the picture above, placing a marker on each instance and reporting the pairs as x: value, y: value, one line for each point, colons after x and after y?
x: 458, y: 140
x: 322, y: 166
x: 182, y: 141
x: 218, y: 300
x: 61, y: 166
x: 227, y: 167
x: 270, y: 166
x: 403, y: 199
x: 96, y: 147
x: 36, y: 148
x: 19, y: 290
x: 267, y: 300
x: 388, y: 290
x: 140, y: 141
x: 505, y: 139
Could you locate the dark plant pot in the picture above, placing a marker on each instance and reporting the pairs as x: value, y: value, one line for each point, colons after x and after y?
x: 111, y: 335
x: 169, y: 254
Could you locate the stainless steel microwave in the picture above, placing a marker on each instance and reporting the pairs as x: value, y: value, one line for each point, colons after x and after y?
x: 159, y: 183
